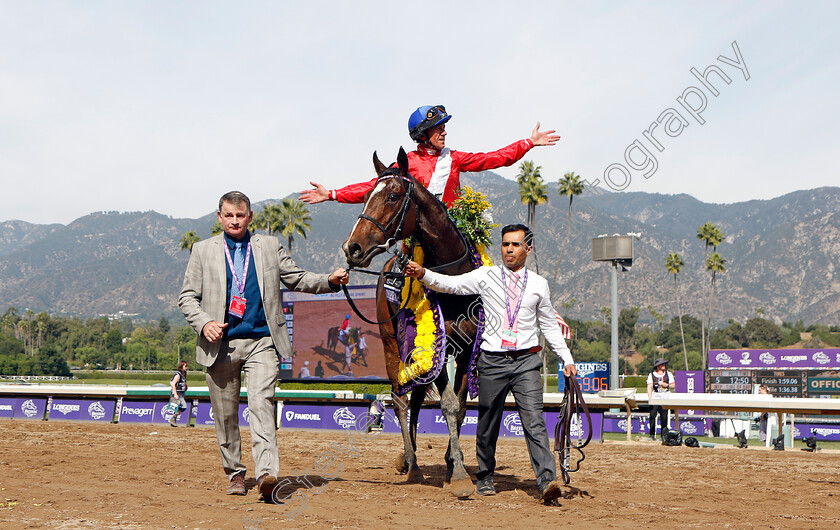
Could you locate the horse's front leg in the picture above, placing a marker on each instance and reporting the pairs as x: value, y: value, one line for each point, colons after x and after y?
x: 460, y: 484
x: 407, y: 460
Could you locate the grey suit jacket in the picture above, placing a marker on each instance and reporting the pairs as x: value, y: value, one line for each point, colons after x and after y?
x: 204, y: 293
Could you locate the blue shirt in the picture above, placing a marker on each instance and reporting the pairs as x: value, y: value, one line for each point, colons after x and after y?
x: 253, y: 324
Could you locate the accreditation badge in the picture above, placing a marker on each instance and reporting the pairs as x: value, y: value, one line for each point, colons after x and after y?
x: 237, y: 306
x: 509, y: 339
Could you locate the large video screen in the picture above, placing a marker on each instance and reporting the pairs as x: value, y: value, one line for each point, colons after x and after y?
x: 321, y: 348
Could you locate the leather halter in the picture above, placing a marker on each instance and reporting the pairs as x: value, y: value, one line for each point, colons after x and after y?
x: 398, y: 219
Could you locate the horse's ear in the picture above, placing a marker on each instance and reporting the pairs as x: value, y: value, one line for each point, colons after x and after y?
x: 402, y: 162
x: 377, y: 165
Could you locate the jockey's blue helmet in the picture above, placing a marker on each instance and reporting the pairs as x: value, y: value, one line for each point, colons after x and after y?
x: 424, y: 118
x: 347, y: 315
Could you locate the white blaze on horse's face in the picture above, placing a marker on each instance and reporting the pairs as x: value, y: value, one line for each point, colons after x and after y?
x: 362, y: 244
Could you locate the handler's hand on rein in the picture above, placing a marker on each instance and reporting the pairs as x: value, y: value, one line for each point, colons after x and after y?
x: 569, y: 370
x: 414, y: 270
x: 339, y: 277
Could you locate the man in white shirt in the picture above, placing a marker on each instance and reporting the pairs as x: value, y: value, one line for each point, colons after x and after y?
x: 515, y: 301
x: 660, y: 381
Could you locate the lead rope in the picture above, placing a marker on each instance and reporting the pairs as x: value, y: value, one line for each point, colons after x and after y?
x: 571, y: 406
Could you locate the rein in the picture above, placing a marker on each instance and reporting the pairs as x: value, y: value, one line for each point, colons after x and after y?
x: 572, y: 405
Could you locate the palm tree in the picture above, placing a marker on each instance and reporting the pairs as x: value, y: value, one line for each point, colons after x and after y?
x: 570, y: 186
x: 188, y: 240
x: 712, y: 236
x: 270, y: 218
x: 674, y: 264
x: 294, y: 219
x: 533, y: 192
x: 714, y: 263
x: 217, y: 228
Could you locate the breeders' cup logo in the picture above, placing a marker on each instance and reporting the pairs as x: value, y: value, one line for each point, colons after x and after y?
x: 723, y: 358
x: 29, y: 408
x: 796, y: 432
x: 745, y: 358
x: 688, y: 428
x: 344, y: 418
x: 65, y: 408
x: 576, y: 430
x: 821, y: 358
x: 767, y: 358
x: 514, y: 424
x: 622, y: 424
x: 168, y: 411
x: 96, y: 410
x: 246, y: 414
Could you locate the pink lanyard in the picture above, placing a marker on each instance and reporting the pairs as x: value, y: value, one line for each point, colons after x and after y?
x: 239, y: 285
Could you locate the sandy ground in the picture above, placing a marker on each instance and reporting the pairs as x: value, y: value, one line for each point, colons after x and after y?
x: 76, y: 475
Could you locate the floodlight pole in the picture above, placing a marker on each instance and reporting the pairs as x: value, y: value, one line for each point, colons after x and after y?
x: 614, y: 327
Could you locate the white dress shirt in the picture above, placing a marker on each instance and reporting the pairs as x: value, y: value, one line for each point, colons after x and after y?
x: 536, y: 306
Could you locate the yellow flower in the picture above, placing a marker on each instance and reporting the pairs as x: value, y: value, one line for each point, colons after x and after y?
x: 422, y: 356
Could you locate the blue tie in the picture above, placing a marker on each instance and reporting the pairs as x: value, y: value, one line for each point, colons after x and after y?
x: 239, y: 261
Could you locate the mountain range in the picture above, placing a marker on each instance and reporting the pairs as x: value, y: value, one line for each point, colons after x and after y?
x: 780, y: 254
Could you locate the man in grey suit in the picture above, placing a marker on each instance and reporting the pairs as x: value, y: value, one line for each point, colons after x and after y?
x: 231, y: 297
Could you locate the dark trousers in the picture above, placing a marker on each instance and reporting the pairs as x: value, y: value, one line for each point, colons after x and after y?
x: 663, y: 420
x: 499, y: 375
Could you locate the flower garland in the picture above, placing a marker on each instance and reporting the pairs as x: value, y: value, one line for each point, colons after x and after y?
x: 471, y: 214
x: 422, y: 356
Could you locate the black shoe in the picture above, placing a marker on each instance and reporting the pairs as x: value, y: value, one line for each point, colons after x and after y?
x: 485, y: 487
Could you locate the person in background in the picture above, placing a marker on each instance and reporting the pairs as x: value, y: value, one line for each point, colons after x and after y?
x: 178, y: 383
x: 762, y: 419
x: 319, y: 370
x: 304, y: 370
x: 660, y: 381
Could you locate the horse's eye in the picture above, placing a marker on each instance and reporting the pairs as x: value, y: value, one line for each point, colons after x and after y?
x: 392, y: 197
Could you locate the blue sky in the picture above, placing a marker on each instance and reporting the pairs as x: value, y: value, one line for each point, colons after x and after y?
x: 164, y: 106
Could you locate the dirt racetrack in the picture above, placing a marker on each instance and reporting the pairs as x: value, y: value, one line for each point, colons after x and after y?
x: 76, y: 475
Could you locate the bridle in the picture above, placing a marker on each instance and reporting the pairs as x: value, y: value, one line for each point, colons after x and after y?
x: 402, y: 259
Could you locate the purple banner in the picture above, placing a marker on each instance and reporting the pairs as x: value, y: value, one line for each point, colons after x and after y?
x: 693, y: 428
x: 30, y: 408
x: 637, y: 425
x: 7, y: 407
x: 299, y: 416
x: 821, y: 431
x: 204, y: 414
x: 774, y: 359
x: 137, y: 412
x: 82, y: 409
x: 689, y: 382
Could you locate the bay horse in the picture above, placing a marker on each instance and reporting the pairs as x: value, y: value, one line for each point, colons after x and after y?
x: 399, y: 207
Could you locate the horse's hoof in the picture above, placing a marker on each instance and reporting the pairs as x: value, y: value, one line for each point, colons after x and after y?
x: 461, y: 488
x: 402, y: 465
x: 415, y: 476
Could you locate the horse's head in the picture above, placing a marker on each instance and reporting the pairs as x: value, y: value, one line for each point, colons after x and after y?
x: 390, y: 213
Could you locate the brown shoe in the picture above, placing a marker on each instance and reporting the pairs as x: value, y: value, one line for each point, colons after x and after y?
x: 266, y: 484
x: 551, y: 492
x: 237, y: 485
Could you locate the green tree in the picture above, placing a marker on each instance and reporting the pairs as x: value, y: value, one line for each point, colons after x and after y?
x: 50, y: 362
x: 711, y: 236
x: 188, y: 239
x: 627, y: 319
x: 570, y: 186
x: 716, y: 264
x: 164, y: 325
x: 674, y: 264
x: 762, y: 333
x: 533, y: 192
x: 217, y: 228
x: 294, y: 219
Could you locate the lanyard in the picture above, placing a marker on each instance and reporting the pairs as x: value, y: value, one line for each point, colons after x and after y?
x: 512, y: 316
x: 239, y: 285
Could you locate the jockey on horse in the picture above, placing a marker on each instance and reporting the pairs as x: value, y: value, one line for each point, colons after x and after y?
x: 435, y: 166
